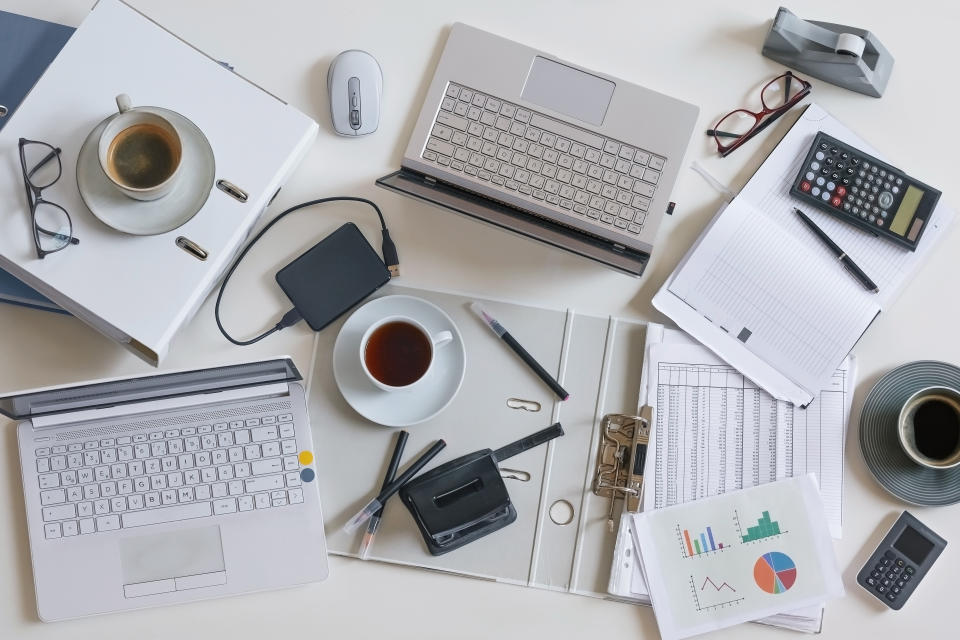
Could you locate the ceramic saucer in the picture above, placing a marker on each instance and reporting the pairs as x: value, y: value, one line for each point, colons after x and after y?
x: 399, y: 408
x: 880, y: 445
x: 147, y: 218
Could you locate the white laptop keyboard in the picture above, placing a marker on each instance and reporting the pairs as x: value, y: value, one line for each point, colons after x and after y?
x: 543, y: 161
x: 166, y: 475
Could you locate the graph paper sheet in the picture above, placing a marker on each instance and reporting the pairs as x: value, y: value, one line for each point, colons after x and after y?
x: 737, y: 557
x: 716, y: 431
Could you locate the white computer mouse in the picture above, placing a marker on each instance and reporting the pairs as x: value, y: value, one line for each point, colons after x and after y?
x: 355, y: 85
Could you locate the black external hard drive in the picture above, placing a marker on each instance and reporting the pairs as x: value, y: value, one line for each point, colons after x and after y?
x: 333, y: 276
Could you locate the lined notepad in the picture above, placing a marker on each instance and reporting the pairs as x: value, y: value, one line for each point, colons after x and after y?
x: 763, y: 292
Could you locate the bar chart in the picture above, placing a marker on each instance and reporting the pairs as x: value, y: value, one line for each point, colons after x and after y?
x: 765, y: 528
x: 695, y: 544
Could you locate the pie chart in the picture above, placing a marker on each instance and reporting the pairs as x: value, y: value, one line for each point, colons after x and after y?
x: 775, y: 572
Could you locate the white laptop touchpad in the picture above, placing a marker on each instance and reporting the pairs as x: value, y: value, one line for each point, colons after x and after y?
x: 174, y: 561
x: 570, y: 91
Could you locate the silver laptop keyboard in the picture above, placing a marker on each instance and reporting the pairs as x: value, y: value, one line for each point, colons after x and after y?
x: 544, y: 161
x: 168, y: 475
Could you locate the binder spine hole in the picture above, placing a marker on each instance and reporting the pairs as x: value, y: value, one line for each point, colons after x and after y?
x: 561, y: 512
x: 525, y: 405
x: 514, y: 474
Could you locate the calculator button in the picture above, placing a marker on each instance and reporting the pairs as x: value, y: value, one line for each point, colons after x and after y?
x: 866, y: 165
x: 828, y: 162
x: 835, y: 176
x: 871, y: 218
x: 846, y: 206
x: 895, y: 189
x: 845, y: 155
x: 873, y: 169
x: 834, y: 151
x: 841, y: 191
x: 814, y: 165
x: 900, y: 562
x: 856, y: 209
x: 910, y: 570
x: 823, y: 145
x: 886, y: 185
x: 899, y: 181
x: 891, y: 575
x: 804, y: 186
x: 815, y: 191
x: 901, y: 582
x: 824, y: 171
x: 883, y: 174
x: 820, y: 155
x: 879, y: 222
x: 881, y: 588
x: 809, y: 175
x: 821, y: 182
x: 831, y: 186
x: 836, y: 201
x: 846, y: 182
x: 876, y: 573
x: 825, y: 195
x: 855, y: 161
x: 891, y: 596
x: 906, y: 577
x: 840, y: 166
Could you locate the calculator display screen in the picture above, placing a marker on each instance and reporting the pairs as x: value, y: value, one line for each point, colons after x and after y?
x: 908, y: 206
x: 913, y: 545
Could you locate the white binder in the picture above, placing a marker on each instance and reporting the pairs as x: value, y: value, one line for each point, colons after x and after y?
x: 140, y: 290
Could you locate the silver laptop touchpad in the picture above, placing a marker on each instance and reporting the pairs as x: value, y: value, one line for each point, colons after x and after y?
x: 569, y: 91
x: 174, y: 561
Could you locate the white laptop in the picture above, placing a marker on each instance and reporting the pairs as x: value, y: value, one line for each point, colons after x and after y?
x: 576, y: 158
x: 168, y: 488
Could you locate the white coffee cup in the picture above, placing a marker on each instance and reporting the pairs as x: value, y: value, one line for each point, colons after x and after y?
x: 404, y: 356
x: 140, y: 152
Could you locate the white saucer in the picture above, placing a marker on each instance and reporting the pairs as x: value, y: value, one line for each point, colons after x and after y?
x: 399, y: 408
x: 147, y: 218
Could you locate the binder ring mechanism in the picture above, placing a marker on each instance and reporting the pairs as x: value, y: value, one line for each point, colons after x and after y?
x: 620, y: 459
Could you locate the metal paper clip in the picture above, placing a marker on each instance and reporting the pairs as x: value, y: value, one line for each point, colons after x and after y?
x: 620, y: 459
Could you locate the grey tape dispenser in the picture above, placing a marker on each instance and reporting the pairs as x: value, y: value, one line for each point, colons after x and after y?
x: 845, y: 56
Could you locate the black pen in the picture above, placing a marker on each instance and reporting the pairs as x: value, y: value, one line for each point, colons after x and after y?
x: 392, y: 467
x: 504, y: 335
x: 377, y: 503
x: 842, y: 256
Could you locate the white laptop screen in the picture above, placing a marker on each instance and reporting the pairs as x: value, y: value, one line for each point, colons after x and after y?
x: 40, y: 402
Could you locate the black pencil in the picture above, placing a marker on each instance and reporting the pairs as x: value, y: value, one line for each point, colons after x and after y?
x: 390, y: 476
x: 504, y: 335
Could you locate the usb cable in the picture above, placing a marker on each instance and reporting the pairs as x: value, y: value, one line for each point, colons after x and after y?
x: 292, y: 317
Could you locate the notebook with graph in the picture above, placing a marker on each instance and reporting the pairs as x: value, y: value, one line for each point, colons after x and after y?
x: 765, y: 294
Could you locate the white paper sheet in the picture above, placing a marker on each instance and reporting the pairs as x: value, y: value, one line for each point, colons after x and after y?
x: 716, y: 431
x: 741, y: 556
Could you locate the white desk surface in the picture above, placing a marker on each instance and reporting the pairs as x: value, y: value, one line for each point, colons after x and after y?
x: 705, y: 53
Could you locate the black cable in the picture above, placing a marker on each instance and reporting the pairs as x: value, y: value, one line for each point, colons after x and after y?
x: 292, y: 317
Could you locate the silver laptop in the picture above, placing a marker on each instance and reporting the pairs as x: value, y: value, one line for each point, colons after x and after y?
x: 168, y: 488
x: 576, y: 158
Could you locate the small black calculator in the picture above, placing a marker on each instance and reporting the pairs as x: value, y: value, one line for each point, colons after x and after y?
x: 864, y: 191
x: 901, y: 560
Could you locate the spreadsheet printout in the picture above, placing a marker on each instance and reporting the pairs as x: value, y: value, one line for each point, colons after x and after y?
x: 715, y: 431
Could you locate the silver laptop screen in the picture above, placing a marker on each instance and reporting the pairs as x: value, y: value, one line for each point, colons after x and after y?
x: 140, y: 389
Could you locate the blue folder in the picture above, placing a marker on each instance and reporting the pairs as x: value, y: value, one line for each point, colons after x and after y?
x: 27, y: 47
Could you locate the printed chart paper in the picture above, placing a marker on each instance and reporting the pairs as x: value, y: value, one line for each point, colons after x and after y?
x: 737, y: 557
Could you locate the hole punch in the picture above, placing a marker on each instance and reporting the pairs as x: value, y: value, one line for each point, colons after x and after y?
x: 561, y: 512
x: 526, y: 405
x: 192, y: 248
x: 514, y: 474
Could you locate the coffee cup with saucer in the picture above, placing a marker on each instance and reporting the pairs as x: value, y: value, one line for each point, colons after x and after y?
x: 419, y: 400
x: 189, y: 187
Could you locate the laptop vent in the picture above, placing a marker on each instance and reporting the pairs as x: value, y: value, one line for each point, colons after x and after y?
x: 175, y: 420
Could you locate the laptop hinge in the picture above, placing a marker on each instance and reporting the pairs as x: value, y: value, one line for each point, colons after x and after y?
x: 165, y: 404
x: 429, y: 179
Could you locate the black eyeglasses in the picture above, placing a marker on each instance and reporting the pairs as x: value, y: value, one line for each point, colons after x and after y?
x: 52, y: 227
x: 777, y: 97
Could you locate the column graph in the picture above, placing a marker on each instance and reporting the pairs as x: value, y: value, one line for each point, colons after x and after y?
x: 694, y: 544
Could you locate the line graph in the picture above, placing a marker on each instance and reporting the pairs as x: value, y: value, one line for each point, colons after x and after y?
x: 723, y: 585
x: 710, y: 599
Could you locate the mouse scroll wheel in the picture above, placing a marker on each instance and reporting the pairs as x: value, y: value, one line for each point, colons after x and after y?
x: 354, y: 118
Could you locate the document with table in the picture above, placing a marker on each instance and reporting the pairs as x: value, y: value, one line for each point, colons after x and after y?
x: 762, y: 291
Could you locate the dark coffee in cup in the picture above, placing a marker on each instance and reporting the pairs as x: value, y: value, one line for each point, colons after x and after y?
x: 143, y: 156
x: 929, y: 427
x: 398, y: 353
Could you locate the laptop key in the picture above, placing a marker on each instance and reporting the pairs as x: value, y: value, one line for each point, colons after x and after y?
x: 51, y: 530
x: 166, y: 514
x: 108, y: 523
